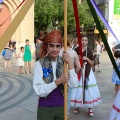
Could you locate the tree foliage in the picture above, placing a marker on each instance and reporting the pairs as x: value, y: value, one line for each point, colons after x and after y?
x: 46, y: 11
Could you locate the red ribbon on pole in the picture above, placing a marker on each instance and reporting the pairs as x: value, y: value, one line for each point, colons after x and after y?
x: 12, y: 13
x: 78, y: 32
x: 77, y: 26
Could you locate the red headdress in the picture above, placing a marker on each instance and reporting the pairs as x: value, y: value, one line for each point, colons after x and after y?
x: 52, y: 37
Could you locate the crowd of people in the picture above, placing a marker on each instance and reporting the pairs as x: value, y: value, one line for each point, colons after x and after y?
x: 49, y: 76
x: 23, y: 56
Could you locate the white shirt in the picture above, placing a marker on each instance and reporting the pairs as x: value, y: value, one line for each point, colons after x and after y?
x: 42, y: 89
x: 98, y: 49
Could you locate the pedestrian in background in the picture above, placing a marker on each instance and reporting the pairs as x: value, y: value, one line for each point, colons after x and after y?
x: 20, y: 60
x: 115, y: 78
x: 97, y: 52
x: 27, y: 57
x: 102, y: 46
x: 75, y: 43
x: 38, y: 48
x: 14, y: 46
x: 8, y: 55
x: 49, y: 79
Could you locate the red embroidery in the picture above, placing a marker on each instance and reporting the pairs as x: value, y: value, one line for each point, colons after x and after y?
x: 114, y: 107
x: 86, y: 102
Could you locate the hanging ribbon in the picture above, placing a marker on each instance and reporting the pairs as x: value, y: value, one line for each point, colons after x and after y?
x: 77, y: 26
x: 103, y: 36
x: 1, y: 1
x: 103, y: 19
x: 12, y: 13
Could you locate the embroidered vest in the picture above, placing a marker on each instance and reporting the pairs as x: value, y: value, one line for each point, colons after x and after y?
x: 48, y: 70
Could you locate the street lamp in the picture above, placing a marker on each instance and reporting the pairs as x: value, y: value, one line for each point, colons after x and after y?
x: 55, y: 23
x: 82, y: 28
x: 1, y: 6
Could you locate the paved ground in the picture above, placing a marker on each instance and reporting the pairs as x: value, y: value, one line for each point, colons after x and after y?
x: 19, y: 102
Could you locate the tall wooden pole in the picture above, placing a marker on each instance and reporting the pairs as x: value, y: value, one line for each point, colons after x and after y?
x: 65, y: 65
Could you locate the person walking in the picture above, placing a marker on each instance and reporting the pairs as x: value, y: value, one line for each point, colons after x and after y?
x: 49, y: 79
x: 75, y: 60
x: 27, y: 57
x: 115, y: 78
x: 87, y: 93
x: 20, y: 61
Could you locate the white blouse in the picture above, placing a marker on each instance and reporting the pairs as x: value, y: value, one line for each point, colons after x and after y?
x: 41, y: 88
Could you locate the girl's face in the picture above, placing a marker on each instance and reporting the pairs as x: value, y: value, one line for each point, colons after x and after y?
x: 27, y: 42
x: 54, y: 50
x: 22, y: 49
x: 84, y: 41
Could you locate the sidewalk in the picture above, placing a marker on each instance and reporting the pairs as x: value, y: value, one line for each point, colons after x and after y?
x: 18, y: 100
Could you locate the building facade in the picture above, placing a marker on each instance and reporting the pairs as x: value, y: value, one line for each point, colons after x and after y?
x: 26, y: 27
x: 111, y: 10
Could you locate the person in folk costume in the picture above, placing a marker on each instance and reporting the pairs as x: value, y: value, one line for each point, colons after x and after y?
x: 115, y: 112
x: 75, y: 59
x: 87, y: 93
x: 49, y: 79
x: 115, y: 78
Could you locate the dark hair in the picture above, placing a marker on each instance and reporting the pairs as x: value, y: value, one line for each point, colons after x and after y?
x: 69, y: 39
x: 117, y: 53
x: 21, y: 48
x: 27, y: 40
x: 84, y: 35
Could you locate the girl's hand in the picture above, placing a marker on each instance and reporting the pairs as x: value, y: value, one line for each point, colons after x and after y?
x: 66, y: 57
x: 84, y: 58
x: 62, y: 79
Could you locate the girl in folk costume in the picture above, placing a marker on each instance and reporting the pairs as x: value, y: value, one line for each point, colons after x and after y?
x: 20, y: 61
x: 115, y: 78
x: 87, y: 93
x: 49, y: 79
x: 115, y: 112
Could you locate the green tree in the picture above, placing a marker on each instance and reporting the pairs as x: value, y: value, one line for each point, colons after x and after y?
x: 46, y: 11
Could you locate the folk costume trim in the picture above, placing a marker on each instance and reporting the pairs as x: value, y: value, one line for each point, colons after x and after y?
x: 86, y: 102
x: 115, y: 108
x: 88, y: 86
